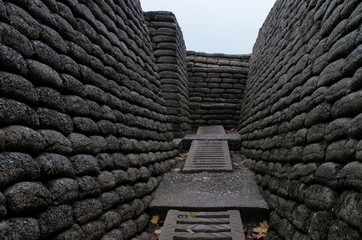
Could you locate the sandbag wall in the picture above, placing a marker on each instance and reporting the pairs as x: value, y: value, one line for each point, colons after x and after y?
x: 216, y: 83
x: 301, y: 121
x: 83, y: 130
x: 170, y: 53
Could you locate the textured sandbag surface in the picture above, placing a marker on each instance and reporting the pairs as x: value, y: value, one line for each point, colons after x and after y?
x: 301, y: 115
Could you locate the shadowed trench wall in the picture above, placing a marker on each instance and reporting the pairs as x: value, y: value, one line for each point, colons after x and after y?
x: 170, y: 53
x: 83, y: 134
x: 301, y: 118
x: 200, y: 89
x: 217, y: 84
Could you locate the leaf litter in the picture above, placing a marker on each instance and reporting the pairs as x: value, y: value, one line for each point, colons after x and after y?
x: 255, y: 232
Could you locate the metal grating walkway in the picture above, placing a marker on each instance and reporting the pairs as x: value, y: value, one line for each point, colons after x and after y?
x: 224, y: 225
x: 212, y: 156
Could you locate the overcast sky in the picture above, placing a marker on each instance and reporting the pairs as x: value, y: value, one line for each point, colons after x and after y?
x: 216, y: 26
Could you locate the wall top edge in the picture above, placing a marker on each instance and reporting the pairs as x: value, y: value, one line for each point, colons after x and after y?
x: 222, y: 55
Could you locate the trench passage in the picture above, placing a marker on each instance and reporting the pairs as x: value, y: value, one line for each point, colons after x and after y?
x: 210, y: 156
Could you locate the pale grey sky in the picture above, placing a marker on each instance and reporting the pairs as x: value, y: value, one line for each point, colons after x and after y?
x: 216, y: 26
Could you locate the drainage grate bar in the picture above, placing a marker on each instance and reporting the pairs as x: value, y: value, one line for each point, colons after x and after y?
x: 207, y: 164
x: 201, y: 159
x: 212, y: 228
x: 204, y: 159
x: 203, y: 221
x: 205, y: 225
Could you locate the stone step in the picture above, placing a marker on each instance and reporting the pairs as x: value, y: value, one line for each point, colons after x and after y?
x: 210, y: 133
x: 234, y: 140
x: 215, y: 129
x: 210, y: 191
x: 203, y: 225
x: 212, y: 156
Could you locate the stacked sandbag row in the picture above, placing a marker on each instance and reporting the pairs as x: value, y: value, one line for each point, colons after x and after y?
x: 170, y: 53
x: 83, y: 132
x: 217, y: 84
x: 301, y: 119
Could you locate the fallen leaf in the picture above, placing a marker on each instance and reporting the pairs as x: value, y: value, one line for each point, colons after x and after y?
x: 190, y: 231
x: 158, y: 233
x: 243, y: 162
x: 246, y: 170
x: 233, y: 130
x: 176, y: 170
x: 155, y: 219
x: 261, y: 231
x: 191, y: 215
x: 264, y: 225
x: 259, y: 236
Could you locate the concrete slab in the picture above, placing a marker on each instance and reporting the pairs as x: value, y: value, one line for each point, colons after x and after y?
x: 210, y: 137
x: 203, y: 225
x: 212, y: 156
x: 234, y: 140
x: 210, y: 192
x: 215, y: 129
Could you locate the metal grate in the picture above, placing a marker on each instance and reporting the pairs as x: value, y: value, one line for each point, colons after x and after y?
x: 225, y: 225
x: 208, y: 156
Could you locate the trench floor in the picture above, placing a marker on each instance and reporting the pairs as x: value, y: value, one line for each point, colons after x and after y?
x: 212, y: 180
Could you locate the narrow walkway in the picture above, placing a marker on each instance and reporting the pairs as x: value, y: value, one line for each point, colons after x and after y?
x: 210, y: 189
